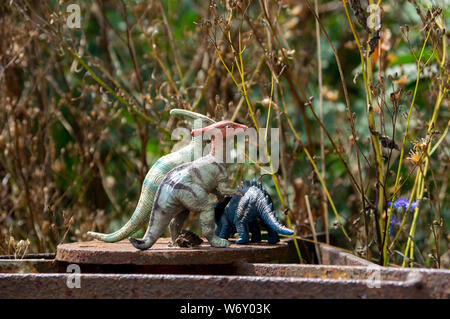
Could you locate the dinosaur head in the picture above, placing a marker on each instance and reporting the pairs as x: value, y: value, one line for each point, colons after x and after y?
x: 193, y: 116
x: 226, y: 128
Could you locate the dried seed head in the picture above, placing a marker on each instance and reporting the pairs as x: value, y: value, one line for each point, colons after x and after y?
x: 422, y: 144
x: 415, y: 157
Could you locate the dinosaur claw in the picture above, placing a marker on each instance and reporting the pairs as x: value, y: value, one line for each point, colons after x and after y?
x: 137, y: 243
x: 219, y: 242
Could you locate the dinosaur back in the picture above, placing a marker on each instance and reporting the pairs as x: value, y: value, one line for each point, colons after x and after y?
x: 230, y: 204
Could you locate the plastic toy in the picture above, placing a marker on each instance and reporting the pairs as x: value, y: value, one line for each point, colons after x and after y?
x: 152, y: 181
x: 242, y: 214
x: 186, y: 188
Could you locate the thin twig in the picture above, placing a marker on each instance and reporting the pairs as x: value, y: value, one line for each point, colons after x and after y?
x: 313, y: 229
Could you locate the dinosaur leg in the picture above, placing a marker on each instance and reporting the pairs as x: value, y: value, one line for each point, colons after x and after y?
x: 219, y: 209
x: 256, y: 232
x: 218, y: 228
x: 272, y: 236
x: 242, y: 229
x: 219, y: 224
x: 207, y: 225
x: 200, y: 202
x: 176, y: 225
x: 232, y: 231
x: 226, y: 229
x: 158, y: 224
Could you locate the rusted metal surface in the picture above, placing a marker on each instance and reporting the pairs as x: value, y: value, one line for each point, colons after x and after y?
x: 100, y: 253
x: 196, y: 286
x: 164, y: 272
x: 330, y: 254
x: 434, y: 283
x: 333, y: 256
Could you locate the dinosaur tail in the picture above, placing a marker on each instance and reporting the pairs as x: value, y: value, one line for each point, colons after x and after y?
x: 156, y: 227
x: 138, y: 219
x: 268, y: 216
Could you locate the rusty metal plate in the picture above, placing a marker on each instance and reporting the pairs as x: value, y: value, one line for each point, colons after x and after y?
x: 332, y: 256
x: 432, y: 282
x: 195, y: 286
x: 120, y: 253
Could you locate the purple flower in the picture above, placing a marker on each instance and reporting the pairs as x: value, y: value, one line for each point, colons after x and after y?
x: 403, y: 203
x: 394, y: 222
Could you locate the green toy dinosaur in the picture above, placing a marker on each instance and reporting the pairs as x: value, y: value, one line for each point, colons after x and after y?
x: 186, y: 188
x: 154, y: 178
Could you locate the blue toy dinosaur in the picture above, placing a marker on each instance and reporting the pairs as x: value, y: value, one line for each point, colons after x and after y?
x: 242, y: 214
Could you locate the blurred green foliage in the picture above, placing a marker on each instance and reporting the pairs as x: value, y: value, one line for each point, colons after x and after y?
x: 96, y: 145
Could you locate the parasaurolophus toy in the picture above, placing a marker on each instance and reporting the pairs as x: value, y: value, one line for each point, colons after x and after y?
x: 186, y: 188
x: 243, y: 214
x: 153, y: 179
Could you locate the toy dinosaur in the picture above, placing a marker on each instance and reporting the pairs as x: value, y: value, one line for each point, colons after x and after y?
x: 153, y: 179
x: 186, y: 188
x: 242, y: 214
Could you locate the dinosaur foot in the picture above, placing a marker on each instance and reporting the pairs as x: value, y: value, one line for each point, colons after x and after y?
x: 219, y: 242
x: 241, y: 241
x: 139, y: 244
